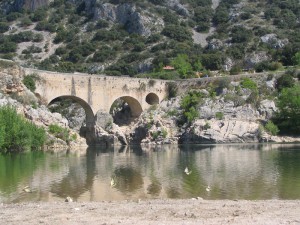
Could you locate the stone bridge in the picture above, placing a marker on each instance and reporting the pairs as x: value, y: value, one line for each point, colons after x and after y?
x: 98, y: 92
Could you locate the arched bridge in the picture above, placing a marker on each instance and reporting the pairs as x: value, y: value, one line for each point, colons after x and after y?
x: 98, y: 92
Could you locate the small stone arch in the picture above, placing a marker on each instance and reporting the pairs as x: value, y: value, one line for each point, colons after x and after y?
x: 90, y: 118
x: 152, y: 99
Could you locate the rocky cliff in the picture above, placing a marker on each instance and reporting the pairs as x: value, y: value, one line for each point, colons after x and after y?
x: 18, y: 5
x: 126, y: 14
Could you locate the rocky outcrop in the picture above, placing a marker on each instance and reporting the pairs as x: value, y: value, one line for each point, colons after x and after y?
x: 221, y: 131
x: 125, y: 14
x: 17, y: 5
x: 15, y: 94
x: 254, y: 58
x: 274, y: 41
x: 178, y: 7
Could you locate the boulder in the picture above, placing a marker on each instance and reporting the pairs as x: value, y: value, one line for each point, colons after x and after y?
x: 274, y: 41
x: 178, y: 7
x: 267, y: 109
x: 254, y: 58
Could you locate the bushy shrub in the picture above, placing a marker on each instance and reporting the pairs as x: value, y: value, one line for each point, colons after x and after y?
x: 240, y: 34
x: 206, y: 126
x: 219, y: 115
x: 271, y: 128
x: 178, y: 33
x: 236, y: 99
x: 236, y: 69
x: 189, y: 105
x: 25, y: 22
x: 39, y: 15
x: 59, y: 132
x: 3, y: 27
x: 285, y: 81
x: 29, y: 81
x: 248, y: 83
x: 221, y: 84
x: 8, y: 47
x: 17, y: 134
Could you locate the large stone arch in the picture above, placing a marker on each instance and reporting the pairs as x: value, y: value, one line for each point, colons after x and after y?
x: 134, y: 104
x: 90, y: 118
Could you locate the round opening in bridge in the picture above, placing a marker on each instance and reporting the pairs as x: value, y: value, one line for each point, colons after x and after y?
x: 152, y: 99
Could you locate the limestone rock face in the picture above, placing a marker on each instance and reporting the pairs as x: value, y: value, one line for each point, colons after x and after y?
x: 103, y: 119
x: 274, y: 41
x: 178, y: 7
x: 267, y: 108
x: 209, y: 109
x: 221, y: 131
x: 104, y: 138
x: 125, y: 14
x: 154, y: 128
x: 42, y: 116
x: 254, y: 58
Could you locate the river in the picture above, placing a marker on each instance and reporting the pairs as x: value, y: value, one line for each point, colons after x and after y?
x: 232, y: 171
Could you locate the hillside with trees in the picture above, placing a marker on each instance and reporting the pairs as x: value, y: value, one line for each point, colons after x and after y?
x: 139, y: 37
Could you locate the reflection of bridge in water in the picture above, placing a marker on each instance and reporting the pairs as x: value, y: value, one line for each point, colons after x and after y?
x: 232, y: 171
x: 98, y: 92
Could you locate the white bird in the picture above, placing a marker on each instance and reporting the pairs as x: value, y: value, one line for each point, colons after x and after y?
x: 187, y: 171
x: 112, y: 182
x: 27, y: 189
x: 68, y: 199
x: 208, y: 188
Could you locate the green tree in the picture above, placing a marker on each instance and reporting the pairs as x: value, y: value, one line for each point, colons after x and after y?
x: 288, y: 117
x: 285, y: 81
x: 178, y: 33
x: 3, y: 27
x: 189, y: 105
x: 182, y: 65
x: 296, y: 59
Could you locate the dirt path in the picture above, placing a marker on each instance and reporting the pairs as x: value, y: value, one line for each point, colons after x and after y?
x: 153, y: 212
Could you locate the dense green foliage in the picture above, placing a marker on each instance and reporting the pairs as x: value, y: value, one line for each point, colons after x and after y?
x: 285, y: 81
x: 17, y: 134
x: 29, y: 81
x: 60, y: 132
x: 271, y: 128
x: 288, y: 118
x: 248, y: 83
x: 189, y: 105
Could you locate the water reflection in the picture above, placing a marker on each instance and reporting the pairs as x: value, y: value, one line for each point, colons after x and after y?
x: 232, y: 172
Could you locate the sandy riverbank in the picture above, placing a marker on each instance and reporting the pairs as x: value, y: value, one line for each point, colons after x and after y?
x: 153, y: 212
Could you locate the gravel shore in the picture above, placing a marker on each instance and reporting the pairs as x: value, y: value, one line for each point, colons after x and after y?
x: 191, y: 211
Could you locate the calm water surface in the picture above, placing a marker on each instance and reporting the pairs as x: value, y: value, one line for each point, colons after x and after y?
x: 231, y: 171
